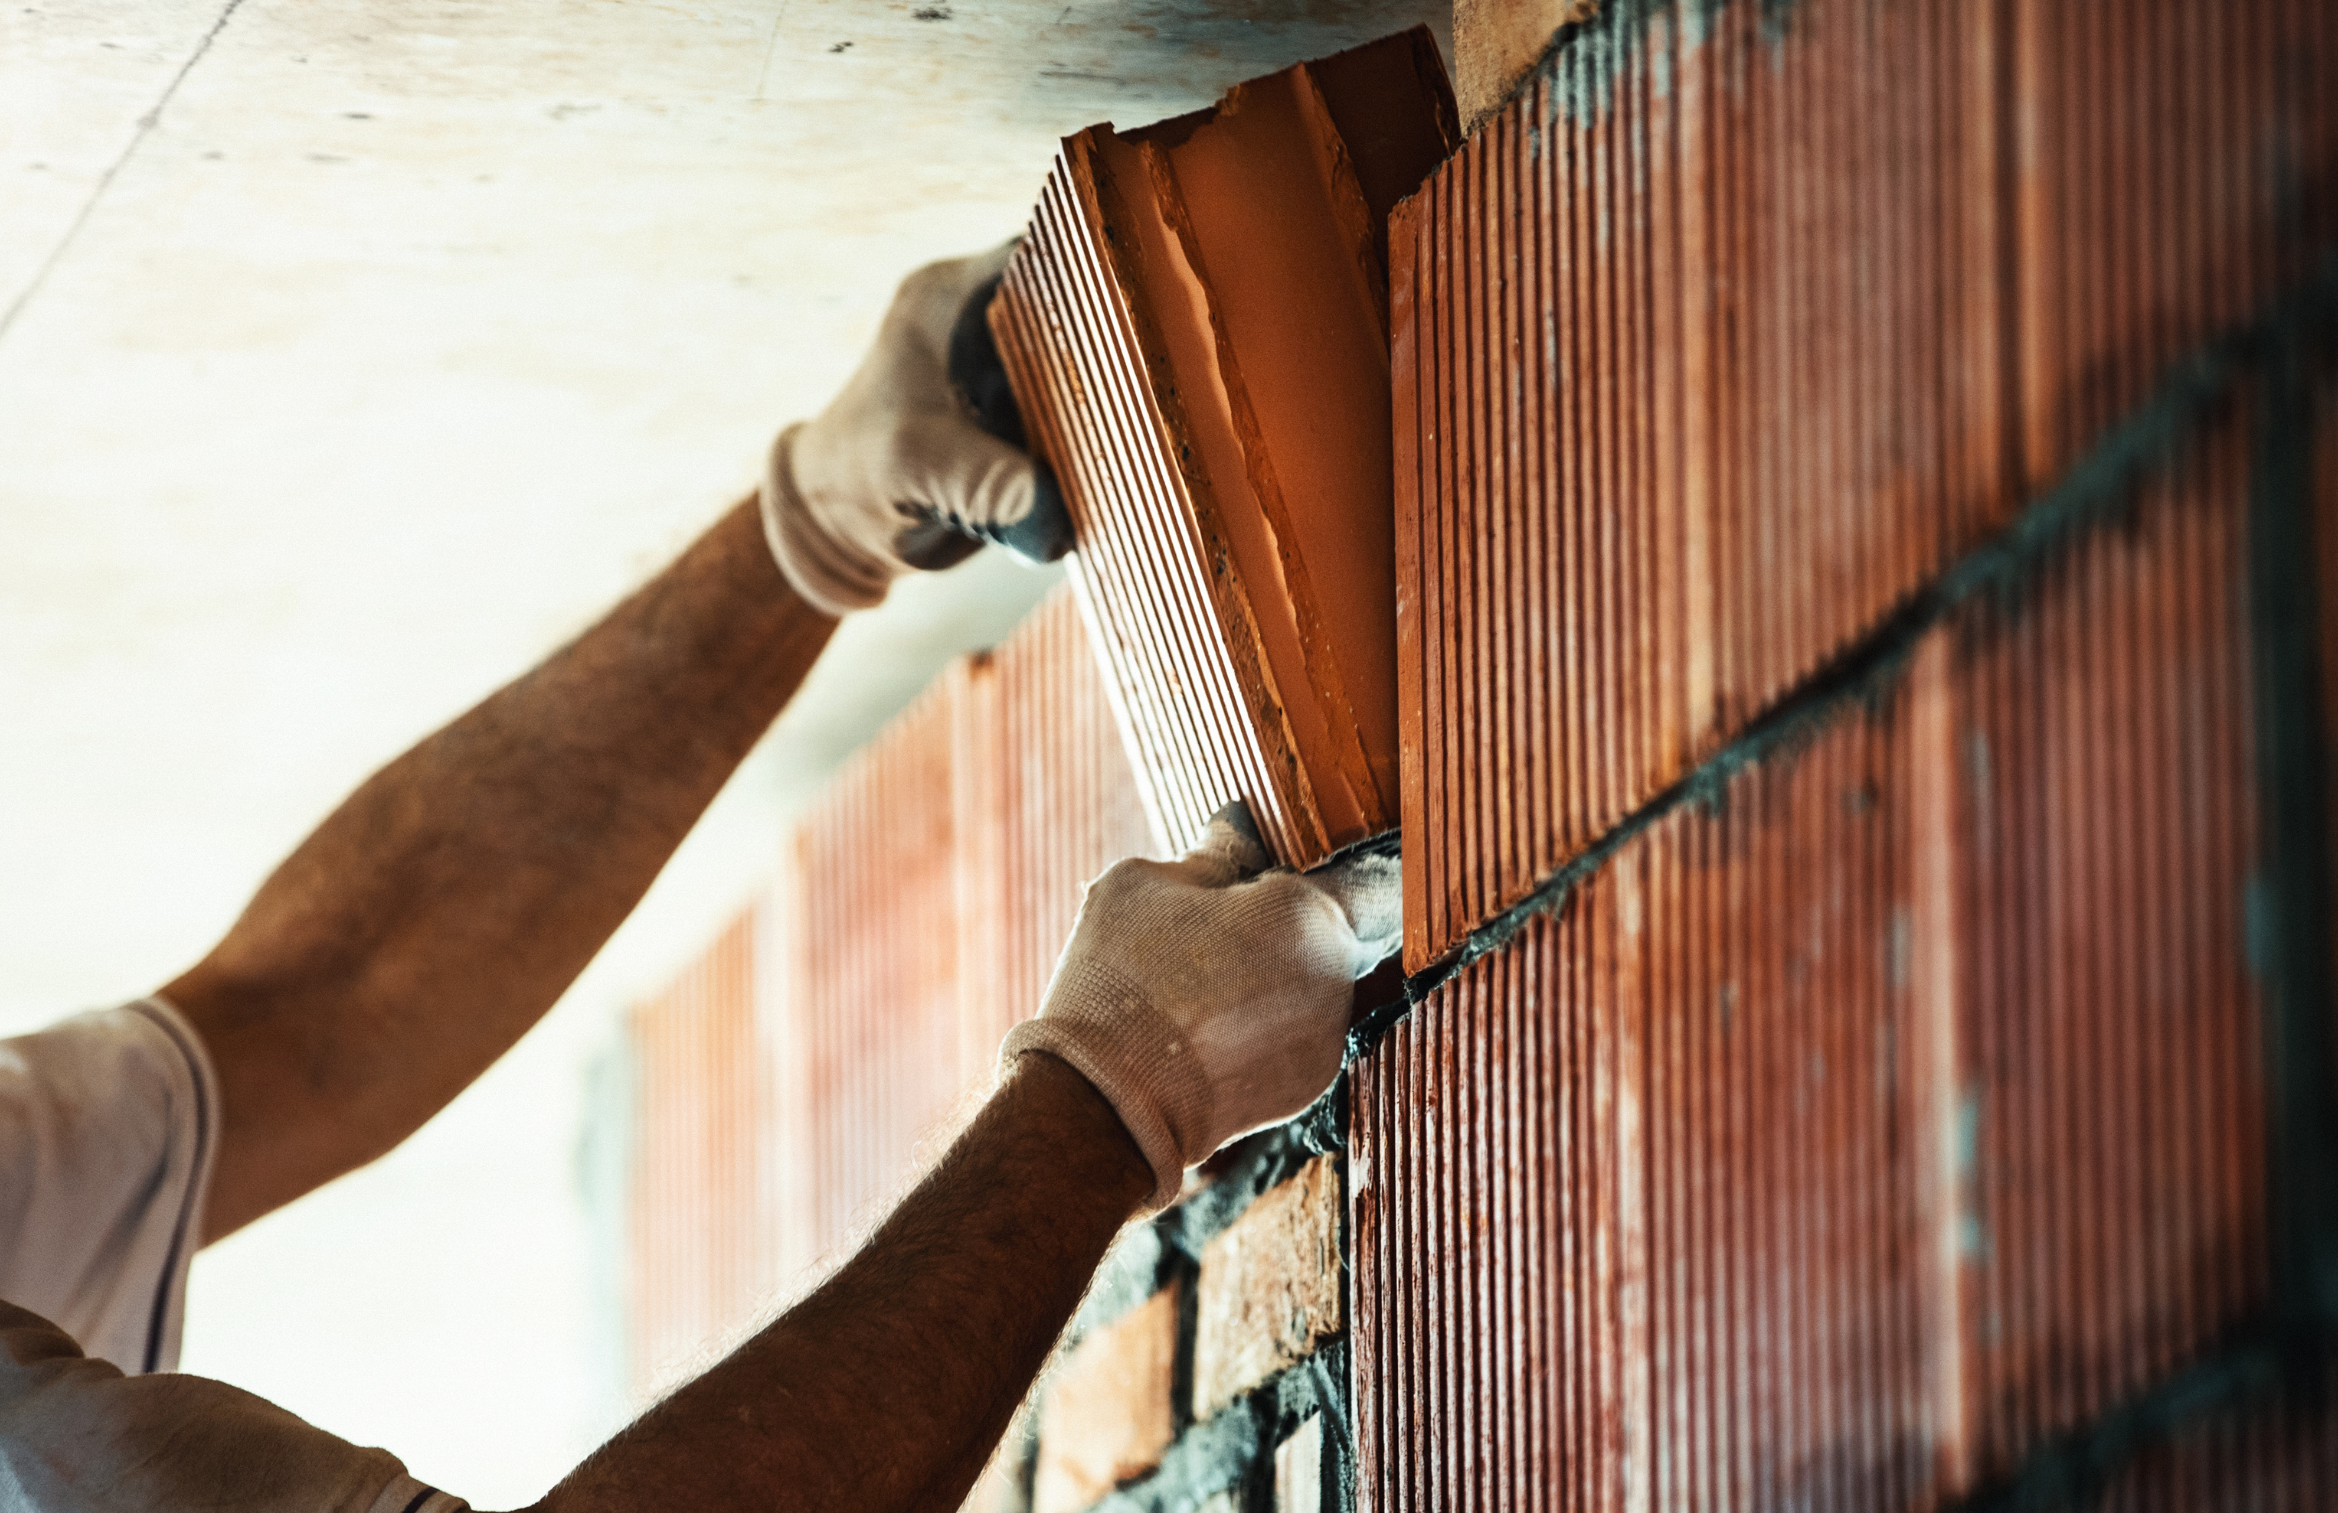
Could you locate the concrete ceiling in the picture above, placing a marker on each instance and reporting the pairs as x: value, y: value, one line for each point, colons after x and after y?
x: 352, y: 355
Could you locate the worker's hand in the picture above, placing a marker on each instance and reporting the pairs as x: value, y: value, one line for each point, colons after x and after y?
x: 1205, y: 999
x: 899, y: 471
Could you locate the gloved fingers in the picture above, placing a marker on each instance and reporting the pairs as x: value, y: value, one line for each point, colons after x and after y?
x: 1370, y: 892
x: 930, y: 298
x: 1229, y: 849
x: 980, y: 485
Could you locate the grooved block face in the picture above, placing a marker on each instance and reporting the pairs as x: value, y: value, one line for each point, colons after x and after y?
x: 1846, y: 1141
x: 1196, y: 330
x: 1299, y: 1469
x: 1106, y: 1415
x: 1741, y: 322
x: 922, y: 903
x: 701, y: 1251
x: 866, y: 1012
x: 1270, y: 1287
x: 2267, y: 1456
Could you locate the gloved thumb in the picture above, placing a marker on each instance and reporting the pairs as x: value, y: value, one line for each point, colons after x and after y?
x: 969, y: 478
x: 1370, y: 892
x: 1229, y: 849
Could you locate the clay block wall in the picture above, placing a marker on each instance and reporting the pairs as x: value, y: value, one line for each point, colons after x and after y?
x: 700, y: 1250
x: 1742, y: 323
x: 1864, y: 478
x: 1196, y: 327
x: 1861, y: 470
x: 792, y: 1080
x: 795, y: 1081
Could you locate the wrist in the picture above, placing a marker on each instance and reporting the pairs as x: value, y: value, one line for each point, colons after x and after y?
x: 827, y: 571
x: 1094, y: 1141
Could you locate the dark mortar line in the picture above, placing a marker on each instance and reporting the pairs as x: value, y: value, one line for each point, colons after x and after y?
x: 2091, y: 491
x: 2291, y: 902
x: 1261, y: 1163
x: 1583, y: 58
x: 1236, y: 1446
x: 2246, y: 1369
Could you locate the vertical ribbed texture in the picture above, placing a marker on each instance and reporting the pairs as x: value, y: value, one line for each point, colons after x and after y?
x: 928, y: 894
x: 865, y: 1022
x: 1081, y: 379
x: 1159, y: 349
x: 1743, y: 320
x: 1840, y: 1143
x: 2280, y: 1461
x: 702, y: 1251
x: 1045, y: 802
x: 796, y: 1077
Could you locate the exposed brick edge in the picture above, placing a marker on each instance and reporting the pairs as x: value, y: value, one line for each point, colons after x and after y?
x: 1244, y: 1434
x: 1236, y: 1449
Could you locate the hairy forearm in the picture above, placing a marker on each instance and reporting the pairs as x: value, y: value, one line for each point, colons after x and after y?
x: 888, y: 1388
x: 443, y: 908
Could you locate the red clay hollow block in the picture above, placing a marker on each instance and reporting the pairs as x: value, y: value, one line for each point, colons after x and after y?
x: 1044, y: 801
x: 1105, y: 1413
x: 1842, y: 1144
x: 1737, y: 326
x: 2277, y: 1457
x: 700, y: 1246
x: 1269, y: 1289
x: 1196, y: 328
x: 921, y: 904
x: 866, y: 1002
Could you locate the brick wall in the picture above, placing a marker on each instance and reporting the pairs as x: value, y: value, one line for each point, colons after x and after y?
x: 1866, y: 844
x: 794, y: 1081
x: 1864, y: 476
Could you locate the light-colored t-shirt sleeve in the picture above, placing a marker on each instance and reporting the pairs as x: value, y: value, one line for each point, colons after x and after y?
x: 108, y: 1126
x: 78, y: 1436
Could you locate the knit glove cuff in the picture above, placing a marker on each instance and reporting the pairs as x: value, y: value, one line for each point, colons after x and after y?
x: 903, y: 470
x: 1132, y: 1054
x: 1205, y: 999
x: 828, y: 571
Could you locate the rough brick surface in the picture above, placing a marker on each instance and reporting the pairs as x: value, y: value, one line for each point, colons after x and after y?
x: 1106, y: 1414
x: 1299, y: 1469
x: 1270, y: 1288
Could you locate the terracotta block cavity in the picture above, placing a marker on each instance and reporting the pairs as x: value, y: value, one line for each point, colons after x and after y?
x: 1270, y: 1288
x: 1105, y: 1415
x: 1197, y: 332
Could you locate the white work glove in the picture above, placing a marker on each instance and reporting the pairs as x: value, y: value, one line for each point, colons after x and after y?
x: 897, y: 473
x: 1204, y: 1001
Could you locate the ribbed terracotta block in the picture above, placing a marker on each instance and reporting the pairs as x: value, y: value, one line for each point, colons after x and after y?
x: 865, y: 992
x: 1044, y: 801
x: 1196, y: 329
x: 1743, y: 320
x: 2277, y: 1458
x: 702, y: 1250
x: 1838, y: 1145
x: 923, y: 902
x: 794, y: 1079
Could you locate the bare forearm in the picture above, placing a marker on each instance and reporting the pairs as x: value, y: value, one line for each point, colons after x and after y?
x: 444, y: 907
x: 887, y: 1389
